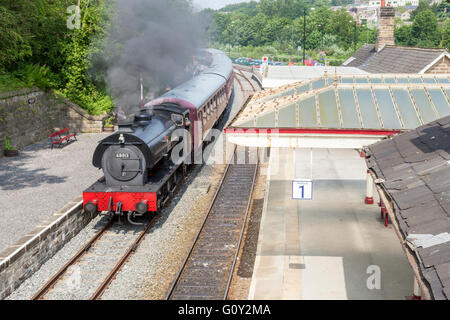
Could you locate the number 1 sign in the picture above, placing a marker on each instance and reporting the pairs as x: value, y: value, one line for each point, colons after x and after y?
x: 302, y: 189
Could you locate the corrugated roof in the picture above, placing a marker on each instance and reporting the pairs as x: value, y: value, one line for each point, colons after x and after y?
x: 415, y: 172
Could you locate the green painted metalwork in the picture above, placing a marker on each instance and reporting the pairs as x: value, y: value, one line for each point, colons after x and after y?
x: 266, y: 120
x: 318, y: 84
x: 389, y: 80
x: 375, y: 80
x: 368, y: 110
x: 303, y: 88
x: 415, y: 80
x: 442, y: 80
x: 287, y: 116
x: 387, y: 109
x: 347, y: 79
x: 348, y: 108
x: 406, y: 108
x: 308, y: 115
x: 423, y: 103
x: 329, y: 117
x: 429, y: 80
x: 440, y: 102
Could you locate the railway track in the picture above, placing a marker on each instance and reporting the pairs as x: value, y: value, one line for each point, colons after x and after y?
x: 229, y: 219
x: 208, y: 268
x: 96, y: 241
x: 239, y: 74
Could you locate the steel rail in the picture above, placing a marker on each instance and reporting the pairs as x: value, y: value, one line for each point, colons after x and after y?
x: 105, y: 284
x: 241, y: 235
x: 202, y: 233
x: 241, y: 73
x: 186, y: 258
x: 53, y: 280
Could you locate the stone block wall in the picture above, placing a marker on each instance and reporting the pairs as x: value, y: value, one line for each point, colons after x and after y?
x: 31, y: 115
x: 27, y: 255
x: 442, y: 66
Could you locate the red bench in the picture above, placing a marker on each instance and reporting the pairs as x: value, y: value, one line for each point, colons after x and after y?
x: 59, y: 137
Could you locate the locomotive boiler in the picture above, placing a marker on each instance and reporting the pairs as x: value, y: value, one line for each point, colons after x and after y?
x: 137, y: 161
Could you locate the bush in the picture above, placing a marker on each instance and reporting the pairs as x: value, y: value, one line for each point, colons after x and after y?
x: 9, y: 83
x: 95, y: 102
x: 36, y: 76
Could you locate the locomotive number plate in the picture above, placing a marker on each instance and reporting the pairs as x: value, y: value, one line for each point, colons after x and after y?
x: 122, y: 155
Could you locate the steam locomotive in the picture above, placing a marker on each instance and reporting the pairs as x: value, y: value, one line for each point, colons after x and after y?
x: 138, y: 163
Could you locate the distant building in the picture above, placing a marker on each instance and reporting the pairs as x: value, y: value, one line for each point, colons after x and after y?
x: 395, y: 3
x: 386, y: 57
x: 403, y: 15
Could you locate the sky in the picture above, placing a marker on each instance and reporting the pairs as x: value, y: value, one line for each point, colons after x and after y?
x: 215, y: 4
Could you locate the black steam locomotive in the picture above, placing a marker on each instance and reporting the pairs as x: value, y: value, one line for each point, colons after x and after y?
x: 137, y: 161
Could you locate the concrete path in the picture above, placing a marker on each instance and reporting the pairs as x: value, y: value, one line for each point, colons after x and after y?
x: 41, y: 181
x: 330, y: 247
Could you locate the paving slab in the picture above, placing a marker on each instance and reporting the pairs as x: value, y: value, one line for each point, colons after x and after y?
x: 329, y: 247
x: 40, y: 181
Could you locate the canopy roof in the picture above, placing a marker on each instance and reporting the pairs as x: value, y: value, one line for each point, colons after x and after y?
x: 360, y: 102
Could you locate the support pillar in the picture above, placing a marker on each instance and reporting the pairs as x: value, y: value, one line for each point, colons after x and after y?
x: 369, y: 189
x: 417, y: 294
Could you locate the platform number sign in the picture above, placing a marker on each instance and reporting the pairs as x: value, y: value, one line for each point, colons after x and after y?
x: 302, y: 189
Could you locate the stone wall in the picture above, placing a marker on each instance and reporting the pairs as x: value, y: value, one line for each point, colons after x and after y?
x: 30, y: 115
x: 442, y: 66
x: 24, y: 258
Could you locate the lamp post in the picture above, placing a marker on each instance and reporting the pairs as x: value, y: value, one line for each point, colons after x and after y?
x: 304, y: 34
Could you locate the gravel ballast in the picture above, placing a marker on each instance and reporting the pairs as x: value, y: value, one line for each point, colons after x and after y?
x: 151, y: 269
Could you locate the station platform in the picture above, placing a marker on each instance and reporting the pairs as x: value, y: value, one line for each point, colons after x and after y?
x: 283, y: 75
x: 40, y: 181
x: 329, y: 247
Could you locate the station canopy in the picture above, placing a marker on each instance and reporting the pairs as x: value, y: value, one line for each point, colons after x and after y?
x: 359, y: 102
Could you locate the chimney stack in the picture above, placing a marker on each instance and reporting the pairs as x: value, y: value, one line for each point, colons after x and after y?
x: 386, y: 28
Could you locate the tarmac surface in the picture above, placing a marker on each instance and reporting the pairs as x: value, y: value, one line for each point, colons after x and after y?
x: 41, y: 181
x: 331, y: 247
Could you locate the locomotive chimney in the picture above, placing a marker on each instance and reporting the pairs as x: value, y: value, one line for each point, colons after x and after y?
x: 386, y: 27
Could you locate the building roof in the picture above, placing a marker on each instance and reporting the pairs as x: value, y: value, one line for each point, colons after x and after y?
x: 360, y: 56
x: 413, y: 170
x: 360, y: 102
x: 395, y: 59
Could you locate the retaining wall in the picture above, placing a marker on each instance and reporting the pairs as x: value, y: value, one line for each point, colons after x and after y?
x: 31, y: 115
x: 27, y: 255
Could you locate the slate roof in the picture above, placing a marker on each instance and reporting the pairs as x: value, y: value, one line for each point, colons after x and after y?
x: 360, y: 56
x: 394, y: 59
x: 415, y: 172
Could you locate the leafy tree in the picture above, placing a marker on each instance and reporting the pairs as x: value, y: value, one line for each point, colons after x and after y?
x: 445, y: 42
x: 424, y: 30
x: 402, y: 35
x: 423, y: 5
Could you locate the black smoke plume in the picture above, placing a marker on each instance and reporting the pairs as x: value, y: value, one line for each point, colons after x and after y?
x: 150, y: 39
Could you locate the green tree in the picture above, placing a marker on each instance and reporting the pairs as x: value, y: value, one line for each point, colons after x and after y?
x: 424, y: 30
x: 402, y: 35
